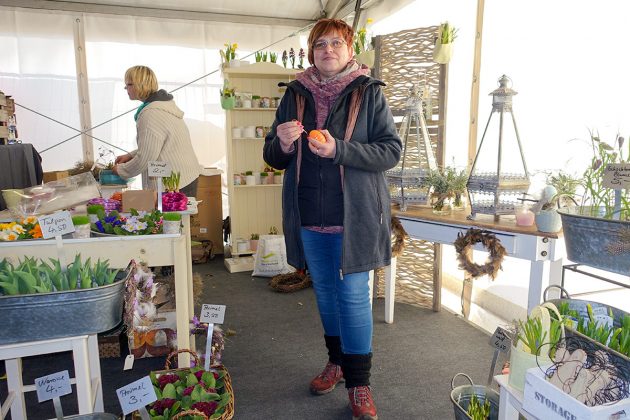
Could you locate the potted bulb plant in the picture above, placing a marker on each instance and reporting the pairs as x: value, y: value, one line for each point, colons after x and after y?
x: 171, y: 222
x: 443, y: 50
x: 362, y: 44
x: 253, y: 242
x: 81, y: 227
x: 228, y: 98
x: 558, y: 193
x: 441, y: 191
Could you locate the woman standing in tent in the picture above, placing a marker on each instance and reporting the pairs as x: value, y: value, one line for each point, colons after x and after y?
x: 336, y: 204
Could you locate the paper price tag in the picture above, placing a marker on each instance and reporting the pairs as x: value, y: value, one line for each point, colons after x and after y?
x: 617, y: 176
x: 53, y: 386
x: 56, y: 224
x: 136, y: 395
x: 212, y: 314
x: 159, y: 169
x: 500, y: 340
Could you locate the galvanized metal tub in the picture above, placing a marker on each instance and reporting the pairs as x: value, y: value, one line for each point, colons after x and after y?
x: 93, y: 416
x: 461, y: 395
x: 44, y: 316
x: 595, y: 241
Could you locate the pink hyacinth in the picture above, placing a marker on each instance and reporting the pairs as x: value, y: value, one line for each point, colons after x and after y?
x: 174, y: 201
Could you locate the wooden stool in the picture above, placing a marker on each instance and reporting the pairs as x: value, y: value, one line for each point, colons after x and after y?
x: 87, y: 370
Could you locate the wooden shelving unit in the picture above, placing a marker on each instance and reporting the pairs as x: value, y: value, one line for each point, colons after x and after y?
x: 253, y: 208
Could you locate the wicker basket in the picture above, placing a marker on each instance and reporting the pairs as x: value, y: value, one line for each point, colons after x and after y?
x: 227, y: 383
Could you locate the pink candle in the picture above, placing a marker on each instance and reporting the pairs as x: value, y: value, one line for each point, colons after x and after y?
x: 524, y: 217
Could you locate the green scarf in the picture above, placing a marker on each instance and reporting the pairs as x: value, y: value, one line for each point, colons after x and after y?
x: 140, y: 108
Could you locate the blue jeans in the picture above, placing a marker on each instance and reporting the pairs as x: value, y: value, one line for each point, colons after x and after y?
x: 343, y: 302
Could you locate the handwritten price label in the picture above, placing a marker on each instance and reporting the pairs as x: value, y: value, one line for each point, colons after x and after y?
x: 53, y: 386
x: 212, y: 314
x: 136, y: 395
x: 56, y: 224
x: 159, y: 169
x: 617, y: 176
x: 500, y: 340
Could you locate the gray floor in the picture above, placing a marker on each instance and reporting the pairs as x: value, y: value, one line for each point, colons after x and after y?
x: 278, y: 347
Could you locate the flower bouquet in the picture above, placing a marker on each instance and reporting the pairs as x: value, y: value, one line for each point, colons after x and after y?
x: 26, y: 228
x: 172, y: 199
x: 182, y: 390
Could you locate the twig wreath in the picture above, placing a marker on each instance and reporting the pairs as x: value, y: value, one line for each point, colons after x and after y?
x: 465, y: 242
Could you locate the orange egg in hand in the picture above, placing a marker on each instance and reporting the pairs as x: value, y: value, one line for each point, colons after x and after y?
x: 317, y: 135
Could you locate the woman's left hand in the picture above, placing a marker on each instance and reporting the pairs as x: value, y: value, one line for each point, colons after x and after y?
x: 325, y: 150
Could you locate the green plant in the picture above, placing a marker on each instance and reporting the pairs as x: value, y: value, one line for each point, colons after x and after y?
x: 95, y: 208
x: 36, y: 276
x: 277, y: 173
x: 171, y: 182
x: 229, y: 53
x: 273, y: 57
x: 264, y: 174
x: 440, y: 185
x: 447, y: 33
x: 361, y: 41
x: 258, y: 56
x: 596, y: 195
x: 264, y: 56
x: 80, y: 220
x: 255, y: 96
x: 249, y: 173
x: 172, y: 217
x: 254, y: 237
x: 476, y: 410
x: 533, y: 336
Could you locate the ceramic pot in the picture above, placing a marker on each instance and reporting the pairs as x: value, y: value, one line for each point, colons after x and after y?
x: 171, y: 226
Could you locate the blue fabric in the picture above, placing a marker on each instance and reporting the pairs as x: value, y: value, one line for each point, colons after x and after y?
x: 344, y: 303
x: 140, y: 108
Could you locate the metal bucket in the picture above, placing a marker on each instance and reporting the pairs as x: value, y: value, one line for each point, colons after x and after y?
x: 461, y: 396
x: 591, y: 240
x: 43, y: 316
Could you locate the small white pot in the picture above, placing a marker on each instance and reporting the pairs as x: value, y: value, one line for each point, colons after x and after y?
x: 250, y: 180
x: 171, y: 226
x: 81, y: 231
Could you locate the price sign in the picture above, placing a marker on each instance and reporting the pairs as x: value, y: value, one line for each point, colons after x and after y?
x: 53, y: 386
x: 56, y: 224
x: 159, y: 169
x: 136, y: 395
x: 212, y: 314
x: 617, y: 176
x: 500, y: 340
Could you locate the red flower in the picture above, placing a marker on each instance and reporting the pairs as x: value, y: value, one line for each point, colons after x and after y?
x: 208, y: 408
x: 188, y: 391
x: 167, y: 379
x: 160, y: 405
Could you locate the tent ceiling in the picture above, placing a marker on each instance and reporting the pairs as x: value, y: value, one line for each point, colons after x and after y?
x: 268, y: 12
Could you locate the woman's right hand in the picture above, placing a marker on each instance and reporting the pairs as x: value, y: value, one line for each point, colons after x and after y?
x: 123, y: 158
x: 289, y: 132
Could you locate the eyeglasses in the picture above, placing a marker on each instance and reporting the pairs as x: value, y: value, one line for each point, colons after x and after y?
x: 323, y: 44
x: 127, y: 85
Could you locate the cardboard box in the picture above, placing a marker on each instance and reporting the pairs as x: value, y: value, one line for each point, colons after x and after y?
x: 55, y: 175
x: 141, y: 200
x: 207, y: 224
x: 546, y: 401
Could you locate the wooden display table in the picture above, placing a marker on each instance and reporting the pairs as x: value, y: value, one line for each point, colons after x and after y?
x: 544, y: 251
x: 155, y: 250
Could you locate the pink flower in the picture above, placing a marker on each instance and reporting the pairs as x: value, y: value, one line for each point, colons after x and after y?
x: 188, y: 391
x: 167, y: 379
x: 174, y: 201
x: 208, y: 408
x: 160, y: 405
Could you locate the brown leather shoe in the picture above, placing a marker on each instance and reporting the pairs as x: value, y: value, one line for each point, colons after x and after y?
x: 362, y: 404
x: 327, y: 380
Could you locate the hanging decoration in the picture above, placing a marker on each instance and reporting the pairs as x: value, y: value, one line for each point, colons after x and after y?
x: 464, y: 243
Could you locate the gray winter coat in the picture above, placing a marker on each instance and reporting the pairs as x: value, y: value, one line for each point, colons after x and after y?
x: 373, y: 148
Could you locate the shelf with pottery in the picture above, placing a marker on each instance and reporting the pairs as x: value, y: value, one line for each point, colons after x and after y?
x: 253, y: 208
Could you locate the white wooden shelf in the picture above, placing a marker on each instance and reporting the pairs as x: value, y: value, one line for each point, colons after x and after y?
x: 257, y: 186
x: 253, y: 109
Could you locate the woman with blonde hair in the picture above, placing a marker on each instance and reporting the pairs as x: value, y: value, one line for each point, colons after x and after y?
x: 162, y: 134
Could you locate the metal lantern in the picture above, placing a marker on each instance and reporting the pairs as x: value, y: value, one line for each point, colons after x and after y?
x: 406, y: 179
x: 498, y: 178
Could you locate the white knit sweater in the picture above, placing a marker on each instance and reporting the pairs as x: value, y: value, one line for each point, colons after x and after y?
x: 162, y: 136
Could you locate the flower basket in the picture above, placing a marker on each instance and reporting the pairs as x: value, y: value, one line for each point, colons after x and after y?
x: 179, y: 381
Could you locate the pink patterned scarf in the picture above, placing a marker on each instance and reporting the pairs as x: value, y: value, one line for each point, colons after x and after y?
x: 326, y: 91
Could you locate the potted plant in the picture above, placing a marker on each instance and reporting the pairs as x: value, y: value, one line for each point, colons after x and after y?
x: 596, y: 233
x: 277, y: 177
x: 228, y: 56
x: 258, y: 56
x: 273, y: 57
x: 253, y: 241
x: 93, y: 211
x: 443, y: 50
x: 266, y: 178
x: 250, y: 179
x: 27, y: 228
x: 362, y: 44
x: 559, y: 192
x: 458, y: 180
x: 255, y: 101
x: 228, y: 98
x: 171, y: 222
x: 172, y: 198
x: 439, y: 183
x: 81, y: 227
